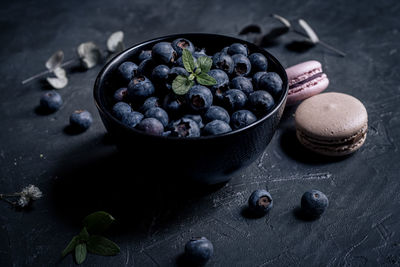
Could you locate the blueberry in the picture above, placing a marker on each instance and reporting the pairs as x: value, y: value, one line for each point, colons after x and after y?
x: 234, y: 99
x: 144, y: 54
x: 225, y: 50
x: 261, y: 102
x: 258, y: 62
x: 173, y: 73
x: 199, y: 98
x: 51, y: 101
x: 201, y: 53
x: 120, y: 94
x: 270, y: 82
x: 222, y: 82
x: 140, y: 88
x: 216, y: 113
x: 149, y: 103
x: 159, y: 114
x: 146, y: 67
x: 198, y: 251
x: 260, y: 202
x: 163, y: 52
x: 81, y: 119
x: 256, y: 78
x: 174, y: 105
x: 223, y: 62
x: 127, y: 70
x: 132, y: 118
x: 216, y: 127
x: 184, y: 127
x: 160, y: 74
x: 237, y: 48
x: 120, y: 109
x: 196, y: 118
x: 242, y: 66
x: 182, y: 43
x: 242, y: 118
x: 151, y: 126
x: 242, y: 83
x: 314, y: 203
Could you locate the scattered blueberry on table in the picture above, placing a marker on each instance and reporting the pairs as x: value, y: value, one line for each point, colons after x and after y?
x: 81, y: 120
x: 260, y: 202
x: 177, y: 89
x: 198, y: 251
x: 51, y: 101
x: 314, y: 203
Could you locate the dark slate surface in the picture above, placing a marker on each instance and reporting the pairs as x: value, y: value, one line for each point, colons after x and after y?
x: 83, y: 173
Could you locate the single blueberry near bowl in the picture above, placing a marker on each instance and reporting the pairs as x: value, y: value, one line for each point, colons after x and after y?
x: 199, y: 98
x: 314, y: 203
x: 163, y: 52
x: 151, y: 126
x: 216, y: 113
x: 216, y: 127
x: 242, y: 66
x: 223, y: 62
x: 261, y: 102
x: 242, y: 118
x: 198, y: 251
x: 120, y: 109
x: 51, y: 101
x: 159, y: 114
x: 182, y: 43
x: 120, y: 94
x: 81, y: 119
x: 184, y: 127
x: 256, y: 78
x: 139, y: 89
x: 144, y: 54
x: 258, y: 62
x: 237, y: 48
x: 127, y: 70
x: 270, y: 82
x: 151, y: 102
x: 260, y: 202
x: 234, y: 99
x: 242, y: 83
x: 132, y: 118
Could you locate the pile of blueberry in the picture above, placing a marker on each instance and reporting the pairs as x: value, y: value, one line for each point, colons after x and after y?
x: 241, y: 91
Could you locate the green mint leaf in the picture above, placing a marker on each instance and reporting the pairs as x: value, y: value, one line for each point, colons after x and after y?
x: 191, y: 77
x: 98, y: 222
x: 205, y: 79
x: 205, y: 63
x: 102, y: 246
x: 181, y: 85
x: 188, y: 61
x: 70, y: 247
x: 83, y: 235
x: 197, y: 71
x: 80, y: 253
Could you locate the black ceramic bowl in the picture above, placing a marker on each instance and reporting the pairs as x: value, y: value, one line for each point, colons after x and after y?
x: 210, y: 159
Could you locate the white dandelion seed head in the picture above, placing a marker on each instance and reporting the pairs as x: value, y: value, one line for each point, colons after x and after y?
x: 23, y: 201
x: 31, y: 192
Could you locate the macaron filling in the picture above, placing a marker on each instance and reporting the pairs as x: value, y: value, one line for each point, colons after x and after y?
x: 309, y: 79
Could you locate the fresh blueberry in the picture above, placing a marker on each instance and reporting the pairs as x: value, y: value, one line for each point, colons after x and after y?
x: 198, y: 251
x: 151, y: 102
x: 201, y: 53
x: 132, y: 119
x: 242, y: 118
x: 223, y: 62
x: 127, y: 70
x: 140, y: 88
x: 216, y: 113
x: 256, y: 78
x: 225, y: 50
x: 120, y: 109
x: 270, y: 82
x: 173, y: 73
x: 174, y: 105
x: 216, y: 127
x: 160, y: 74
x: 182, y: 43
x: 199, y: 98
x: 151, y: 126
x: 261, y: 102
x: 260, y: 202
x: 51, y: 101
x: 145, y: 54
x: 314, y: 203
x: 81, y: 119
x: 184, y: 127
x: 196, y: 118
x: 146, y: 67
x: 163, y: 52
x: 159, y: 114
x: 234, y: 99
x: 242, y: 66
x: 222, y: 82
x: 258, y: 62
x: 242, y: 83
x: 120, y: 94
x: 237, y: 48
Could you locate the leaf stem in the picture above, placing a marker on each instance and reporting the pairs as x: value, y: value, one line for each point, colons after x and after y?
x: 2, y: 197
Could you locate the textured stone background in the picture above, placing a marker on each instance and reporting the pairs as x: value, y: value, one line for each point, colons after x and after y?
x: 83, y: 173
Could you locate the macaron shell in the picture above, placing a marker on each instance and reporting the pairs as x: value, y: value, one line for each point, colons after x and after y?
x: 307, y: 90
x: 331, y: 116
x: 302, y: 69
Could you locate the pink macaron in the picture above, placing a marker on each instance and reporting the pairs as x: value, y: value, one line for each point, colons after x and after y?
x: 305, y: 80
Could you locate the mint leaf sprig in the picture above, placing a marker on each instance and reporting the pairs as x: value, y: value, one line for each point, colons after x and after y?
x: 197, y: 71
x: 90, y: 240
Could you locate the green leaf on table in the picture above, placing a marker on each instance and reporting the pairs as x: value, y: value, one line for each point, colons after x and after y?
x: 83, y: 235
x: 102, y: 246
x: 98, y: 222
x: 205, y: 63
x: 205, y: 79
x: 71, y: 246
x: 188, y: 61
x: 181, y: 85
x: 80, y: 253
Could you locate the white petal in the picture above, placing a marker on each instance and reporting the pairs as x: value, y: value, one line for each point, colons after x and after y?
x: 282, y: 20
x: 310, y: 32
x: 55, y: 60
x: 57, y: 83
x: 60, y: 73
x: 114, y: 41
x: 89, y: 54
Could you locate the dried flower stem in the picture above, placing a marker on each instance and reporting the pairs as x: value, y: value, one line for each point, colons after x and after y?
x: 2, y: 197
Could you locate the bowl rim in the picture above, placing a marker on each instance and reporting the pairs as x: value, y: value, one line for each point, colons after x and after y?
x: 100, y: 77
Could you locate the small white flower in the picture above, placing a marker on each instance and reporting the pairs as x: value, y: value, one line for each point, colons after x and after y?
x: 23, y: 201
x: 31, y: 192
